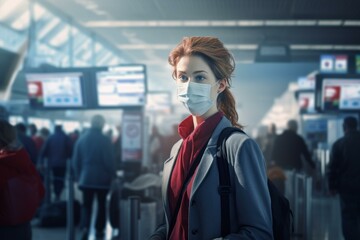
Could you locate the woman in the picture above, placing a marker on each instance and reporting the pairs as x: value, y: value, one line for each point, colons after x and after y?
x: 21, y: 189
x: 202, y: 68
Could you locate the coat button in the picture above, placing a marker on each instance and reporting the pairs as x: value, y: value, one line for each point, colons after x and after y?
x: 194, y: 231
x: 193, y: 203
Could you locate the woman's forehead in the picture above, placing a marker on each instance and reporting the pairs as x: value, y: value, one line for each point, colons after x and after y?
x: 190, y: 64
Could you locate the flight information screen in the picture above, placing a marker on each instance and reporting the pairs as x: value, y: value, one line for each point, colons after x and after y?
x: 55, y: 90
x: 341, y: 94
x: 121, y: 87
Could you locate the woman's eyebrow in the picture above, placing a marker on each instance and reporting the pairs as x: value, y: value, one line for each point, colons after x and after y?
x: 200, y: 71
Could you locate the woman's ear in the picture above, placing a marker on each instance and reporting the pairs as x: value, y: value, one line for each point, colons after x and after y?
x: 222, y: 85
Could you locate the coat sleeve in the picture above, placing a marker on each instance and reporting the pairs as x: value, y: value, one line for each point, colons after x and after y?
x: 252, y: 198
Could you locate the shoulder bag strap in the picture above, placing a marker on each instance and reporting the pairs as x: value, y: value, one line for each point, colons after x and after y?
x: 224, y: 178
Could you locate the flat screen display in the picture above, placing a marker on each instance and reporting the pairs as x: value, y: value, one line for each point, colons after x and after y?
x: 55, y: 90
x: 306, y: 102
x: 340, y: 94
x: 334, y: 63
x: 123, y: 86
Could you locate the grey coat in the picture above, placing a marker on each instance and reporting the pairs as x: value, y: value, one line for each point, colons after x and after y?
x: 250, y: 206
x: 93, y: 160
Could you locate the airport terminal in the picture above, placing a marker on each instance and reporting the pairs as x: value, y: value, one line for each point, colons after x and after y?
x: 189, y: 119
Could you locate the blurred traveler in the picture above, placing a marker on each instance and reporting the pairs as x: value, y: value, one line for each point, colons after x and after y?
x: 289, y: 148
x: 93, y: 163
x: 156, y: 144
x: 269, y: 142
x: 202, y: 69
x: 21, y: 189
x: 74, y: 136
x: 117, y: 149
x: 344, y: 177
x: 56, y: 151
x: 39, y: 141
x: 27, y: 142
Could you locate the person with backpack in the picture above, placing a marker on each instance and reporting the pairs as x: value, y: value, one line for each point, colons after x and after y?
x: 194, y: 193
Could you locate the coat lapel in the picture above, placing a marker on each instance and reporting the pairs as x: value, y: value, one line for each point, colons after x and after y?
x: 167, y: 170
x: 208, y: 157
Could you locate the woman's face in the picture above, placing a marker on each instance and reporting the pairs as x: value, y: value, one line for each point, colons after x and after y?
x: 195, y: 69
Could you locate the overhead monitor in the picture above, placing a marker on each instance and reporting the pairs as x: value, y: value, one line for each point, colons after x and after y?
x: 306, y: 83
x: 338, y: 94
x: 306, y: 101
x: 334, y: 63
x: 60, y: 90
x: 158, y: 102
x: 123, y: 86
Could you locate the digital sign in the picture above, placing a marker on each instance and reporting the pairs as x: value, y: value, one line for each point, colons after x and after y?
x: 55, y: 90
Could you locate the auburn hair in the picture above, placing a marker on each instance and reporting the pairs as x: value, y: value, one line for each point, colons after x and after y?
x: 219, y: 59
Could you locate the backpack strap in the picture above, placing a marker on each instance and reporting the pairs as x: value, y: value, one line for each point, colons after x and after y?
x: 224, y: 178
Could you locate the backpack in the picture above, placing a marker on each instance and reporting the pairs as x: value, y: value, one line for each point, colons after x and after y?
x: 281, y: 213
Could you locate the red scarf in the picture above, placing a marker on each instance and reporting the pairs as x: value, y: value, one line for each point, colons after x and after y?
x: 193, y: 142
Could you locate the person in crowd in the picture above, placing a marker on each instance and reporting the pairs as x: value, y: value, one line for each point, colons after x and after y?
x: 27, y: 142
x: 269, y: 142
x: 94, y: 170
x: 289, y: 148
x: 156, y: 144
x: 117, y: 148
x: 74, y: 136
x: 344, y: 177
x: 56, y: 151
x: 202, y: 69
x: 17, y: 204
x: 38, y: 140
x: 44, y: 133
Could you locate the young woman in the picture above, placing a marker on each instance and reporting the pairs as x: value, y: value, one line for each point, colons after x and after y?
x: 202, y: 68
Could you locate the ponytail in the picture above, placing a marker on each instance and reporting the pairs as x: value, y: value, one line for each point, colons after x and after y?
x: 226, y: 104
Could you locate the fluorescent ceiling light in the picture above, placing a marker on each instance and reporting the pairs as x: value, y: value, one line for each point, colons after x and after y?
x: 352, y: 23
x: 48, y: 27
x: 280, y: 23
x: 306, y: 22
x: 223, y: 23
x: 22, y: 22
x: 329, y: 22
x: 245, y: 23
x: 8, y: 7
x: 241, y: 46
x: 61, y: 37
x: 39, y: 11
x: 324, y: 47
x: 98, y: 47
x: 220, y: 23
x: 196, y: 23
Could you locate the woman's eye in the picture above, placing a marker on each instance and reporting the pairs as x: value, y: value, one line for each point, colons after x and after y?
x: 183, y: 78
x: 199, y: 78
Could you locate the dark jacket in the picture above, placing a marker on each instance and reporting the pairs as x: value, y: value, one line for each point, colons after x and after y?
x: 93, y: 160
x: 344, y: 165
x: 288, y: 149
x: 57, y: 149
x: 29, y: 146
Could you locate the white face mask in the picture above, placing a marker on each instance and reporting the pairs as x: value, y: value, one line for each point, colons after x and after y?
x: 196, y: 97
